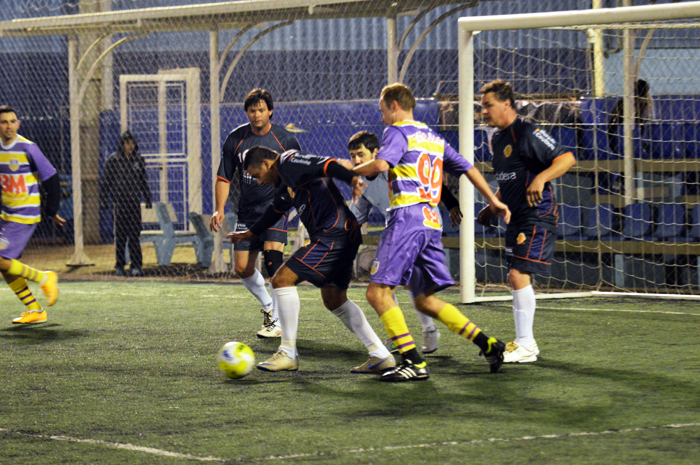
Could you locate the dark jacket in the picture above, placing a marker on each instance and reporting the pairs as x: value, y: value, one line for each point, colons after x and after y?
x: 124, y: 179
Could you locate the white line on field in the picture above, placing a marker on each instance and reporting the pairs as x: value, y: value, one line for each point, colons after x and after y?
x: 165, y: 453
x: 578, y: 309
x: 116, y: 445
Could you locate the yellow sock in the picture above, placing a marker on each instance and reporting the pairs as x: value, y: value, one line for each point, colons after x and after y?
x: 395, y: 325
x: 19, y: 287
x: 18, y: 268
x: 458, y: 323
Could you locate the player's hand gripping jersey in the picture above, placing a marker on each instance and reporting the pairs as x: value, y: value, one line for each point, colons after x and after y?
x: 22, y: 166
x: 417, y: 157
x: 254, y: 197
x: 306, y: 187
x: 521, y: 152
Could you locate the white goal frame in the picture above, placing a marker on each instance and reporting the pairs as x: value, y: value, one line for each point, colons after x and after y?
x: 468, y: 28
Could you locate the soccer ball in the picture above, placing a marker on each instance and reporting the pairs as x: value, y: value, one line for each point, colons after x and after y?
x: 235, y: 359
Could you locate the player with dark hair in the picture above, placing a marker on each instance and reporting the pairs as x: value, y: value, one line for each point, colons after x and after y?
x: 23, y: 167
x: 410, y: 249
x: 303, y: 181
x: 525, y: 161
x: 253, y: 201
x: 363, y: 147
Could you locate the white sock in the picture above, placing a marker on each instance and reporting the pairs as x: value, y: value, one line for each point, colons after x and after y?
x: 354, y: 319
x: 426, y: 321
x: 256, y: 286
x: 289, y: 306
x: 275, y: 311
x: 524, y: 316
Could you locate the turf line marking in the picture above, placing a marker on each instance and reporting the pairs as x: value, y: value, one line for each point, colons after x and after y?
x: 165, y: 453
x: 479, y: 441
x: 618, y: 310
x: 117, y: 445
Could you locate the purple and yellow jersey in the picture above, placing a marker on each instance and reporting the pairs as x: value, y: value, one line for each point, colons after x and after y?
x: 22, y: 166
x: 417, y: 156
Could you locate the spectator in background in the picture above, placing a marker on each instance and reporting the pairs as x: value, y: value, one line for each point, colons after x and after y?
x: 124, y: 182
x: 642, y: 114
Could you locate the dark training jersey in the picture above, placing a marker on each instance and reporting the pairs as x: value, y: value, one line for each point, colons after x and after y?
x: 521, y: 152
x: 307, y: 187
x: 254, y: 197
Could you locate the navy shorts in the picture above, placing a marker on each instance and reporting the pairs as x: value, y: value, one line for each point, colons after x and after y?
x: 326, y: 262
x: 530, y: 249
x: 277, y: 233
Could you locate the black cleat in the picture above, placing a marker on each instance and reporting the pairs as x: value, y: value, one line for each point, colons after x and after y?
x: 407, y: 371
x: 495, y: 354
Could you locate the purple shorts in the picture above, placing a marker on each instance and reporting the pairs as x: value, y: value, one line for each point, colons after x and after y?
x: 14, y: 238
x: 410, y: 252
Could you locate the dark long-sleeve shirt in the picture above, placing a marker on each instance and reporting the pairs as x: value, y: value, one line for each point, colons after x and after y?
x: 124, y: 180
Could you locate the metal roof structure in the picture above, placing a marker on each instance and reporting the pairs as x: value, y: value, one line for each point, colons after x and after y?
x: 226, y: 15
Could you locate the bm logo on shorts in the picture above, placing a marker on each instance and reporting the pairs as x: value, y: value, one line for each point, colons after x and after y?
x: 521, y: 238
x: 375, y: 267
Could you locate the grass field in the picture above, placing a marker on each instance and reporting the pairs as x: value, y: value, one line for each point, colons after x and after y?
x: 124, y: 373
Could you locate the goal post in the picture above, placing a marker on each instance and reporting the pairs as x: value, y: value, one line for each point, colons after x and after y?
x: 622, y: 195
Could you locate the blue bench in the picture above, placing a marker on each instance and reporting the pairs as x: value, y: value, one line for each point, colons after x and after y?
x: 165, y: 240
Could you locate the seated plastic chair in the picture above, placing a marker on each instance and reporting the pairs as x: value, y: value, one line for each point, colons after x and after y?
x: 165, y: 240
x: 637, y: 221
x: 601, y: 223
x: 671, y: 223
x: 570, y: 222
x: 204, y: 246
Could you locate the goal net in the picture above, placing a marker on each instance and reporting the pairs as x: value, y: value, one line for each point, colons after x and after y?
x: 621, y: 89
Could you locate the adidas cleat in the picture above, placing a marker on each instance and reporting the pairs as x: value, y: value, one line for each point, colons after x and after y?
x: 495, y: 354
x: 407, y: 371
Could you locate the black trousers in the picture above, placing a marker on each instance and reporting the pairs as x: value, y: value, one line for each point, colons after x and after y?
x: 127, y: 226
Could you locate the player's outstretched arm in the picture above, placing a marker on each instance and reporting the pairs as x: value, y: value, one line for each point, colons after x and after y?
x: 497, y: 207
x: 372, y: 168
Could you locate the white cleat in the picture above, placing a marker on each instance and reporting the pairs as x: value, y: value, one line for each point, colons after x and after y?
x: 518, y: 354
x: 430, y: 341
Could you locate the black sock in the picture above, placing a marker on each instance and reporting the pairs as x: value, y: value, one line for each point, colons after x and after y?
x: 413, y: 356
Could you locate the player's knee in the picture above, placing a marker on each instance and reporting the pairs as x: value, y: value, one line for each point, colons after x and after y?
x: 273, y: 260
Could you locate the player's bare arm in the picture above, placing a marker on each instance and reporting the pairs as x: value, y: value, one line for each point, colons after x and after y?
x: 372, y: 168
x: 497, y: 207
x: 237, y: 237
x: 221, y: 191
x: 560, y: 165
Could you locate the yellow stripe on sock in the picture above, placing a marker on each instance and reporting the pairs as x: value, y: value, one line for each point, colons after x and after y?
x: 395, y: 326
x: 18, y: 268
x: 19, y: 287
x: 458, y: 323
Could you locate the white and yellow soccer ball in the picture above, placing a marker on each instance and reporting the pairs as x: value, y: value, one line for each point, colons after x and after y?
x: 235, y: 359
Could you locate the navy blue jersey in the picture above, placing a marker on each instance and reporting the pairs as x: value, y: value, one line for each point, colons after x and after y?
x: 318, y: 201
x: 254, y: 197
x: 521, y: 152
